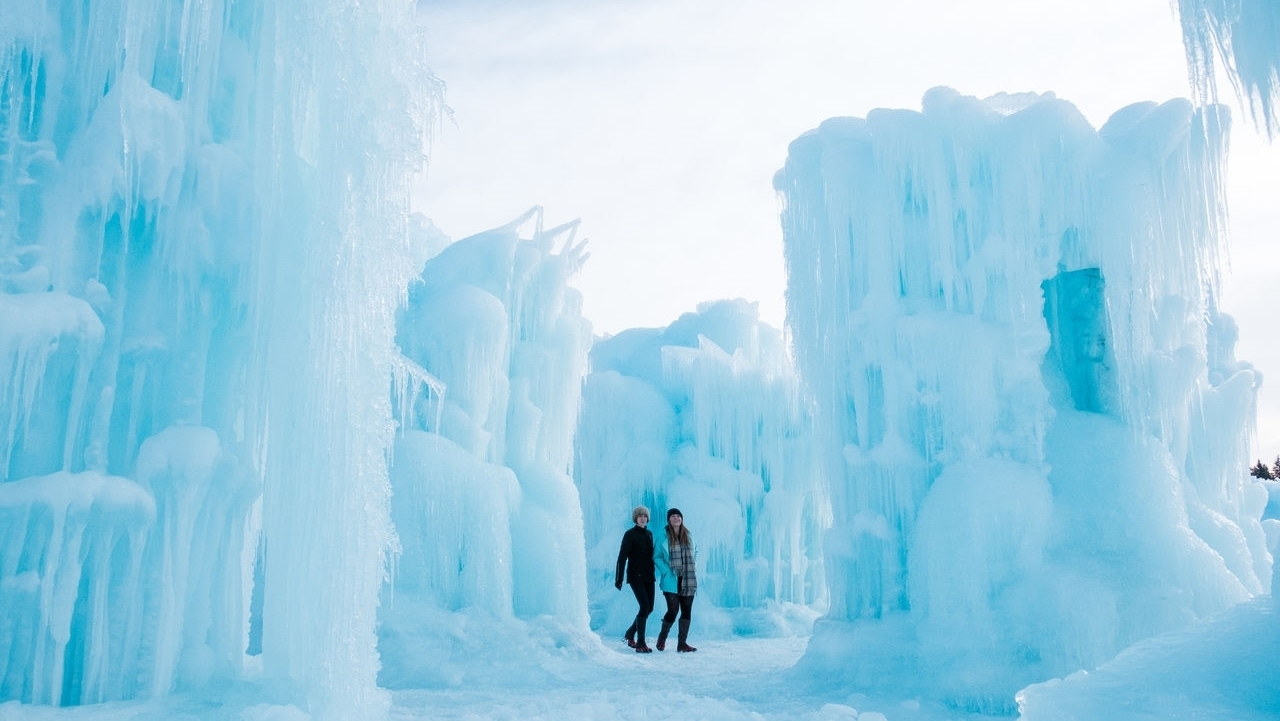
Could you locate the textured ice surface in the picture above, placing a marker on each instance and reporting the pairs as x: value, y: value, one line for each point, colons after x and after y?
x: 487, y: 514
x: 1028, y: 405
x: 202, y: 246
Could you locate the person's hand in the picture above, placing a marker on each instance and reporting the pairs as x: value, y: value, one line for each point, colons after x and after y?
x: 617, y: 585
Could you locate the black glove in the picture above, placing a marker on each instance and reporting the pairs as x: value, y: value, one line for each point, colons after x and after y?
x: 617, y: 585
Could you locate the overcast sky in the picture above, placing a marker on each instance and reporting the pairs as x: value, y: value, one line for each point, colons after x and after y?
x: 660, y: 124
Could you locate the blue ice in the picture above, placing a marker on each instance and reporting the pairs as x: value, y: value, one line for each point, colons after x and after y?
x: 262, y: 428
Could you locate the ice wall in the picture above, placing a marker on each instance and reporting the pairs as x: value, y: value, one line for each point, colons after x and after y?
x: 1244, y: 36
x: 1027, y: 402
x: 202, y: 244
x: 495, y: 348
x: 704, y: 415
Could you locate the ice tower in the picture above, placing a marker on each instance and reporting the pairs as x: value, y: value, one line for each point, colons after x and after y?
x: 1027, y: 402
x: 495, y: 348
x: 203, y: 242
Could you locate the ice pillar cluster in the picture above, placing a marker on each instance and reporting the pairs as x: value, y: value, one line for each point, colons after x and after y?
x: 705, y: 415
x: 203, y: 242
x: 1027, y: 402
x: 495, y: 349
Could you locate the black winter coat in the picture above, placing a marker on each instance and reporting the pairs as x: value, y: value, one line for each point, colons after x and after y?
x: 636, y: 554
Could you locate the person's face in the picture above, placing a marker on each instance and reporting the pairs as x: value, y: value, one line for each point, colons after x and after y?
x: 642, y: 520
x: 675, y: 521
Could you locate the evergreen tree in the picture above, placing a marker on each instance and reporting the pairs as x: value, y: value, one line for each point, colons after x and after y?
x: 1260, y: 470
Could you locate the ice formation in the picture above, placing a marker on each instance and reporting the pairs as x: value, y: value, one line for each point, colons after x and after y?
x: 203, y: 243
x: 241, y: 388
x: 1027, y: 402
x: 1241, y: 34
x: 495, y: 348
x: 705, y: 415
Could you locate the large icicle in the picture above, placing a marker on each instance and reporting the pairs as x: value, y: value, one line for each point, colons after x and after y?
x: 1244, y: 35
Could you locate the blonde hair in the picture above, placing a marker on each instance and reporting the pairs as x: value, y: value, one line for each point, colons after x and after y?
x: 637, y: 512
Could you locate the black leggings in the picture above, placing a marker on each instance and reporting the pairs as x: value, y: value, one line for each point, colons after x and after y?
x: 644, y: 596
x: 675, y: 602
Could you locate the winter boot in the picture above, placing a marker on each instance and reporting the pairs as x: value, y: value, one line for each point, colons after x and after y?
x: 630, y: 636
x: 662, y: 635
x: 640, y: 645
x: 683, y: 636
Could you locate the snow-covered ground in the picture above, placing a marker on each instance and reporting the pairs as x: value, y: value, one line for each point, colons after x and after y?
x: 741, y: 678
x: 1226, y: 668
x: 559, y: 677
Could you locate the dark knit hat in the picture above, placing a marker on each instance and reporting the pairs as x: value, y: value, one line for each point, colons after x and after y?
x: 675, y: 512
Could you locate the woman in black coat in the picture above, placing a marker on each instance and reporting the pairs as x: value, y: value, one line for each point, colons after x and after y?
x: 636, y: 558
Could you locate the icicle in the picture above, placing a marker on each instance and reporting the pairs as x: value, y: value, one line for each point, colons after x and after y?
x: 1241, y: 34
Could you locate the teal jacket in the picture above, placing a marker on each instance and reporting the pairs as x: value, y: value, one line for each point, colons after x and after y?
x: 662, y: 561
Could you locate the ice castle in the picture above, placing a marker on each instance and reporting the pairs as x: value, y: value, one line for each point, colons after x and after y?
x: 258, y: 419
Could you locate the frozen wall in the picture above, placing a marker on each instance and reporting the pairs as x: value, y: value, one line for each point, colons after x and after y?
x: 1242, y: 35
x: 202, y: 245
x: 705, y: 415
x: 1027, y: 402
x: 495, y: 348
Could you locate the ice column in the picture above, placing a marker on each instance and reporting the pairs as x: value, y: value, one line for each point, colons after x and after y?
x: 484, y: 504
x: 340, y: 137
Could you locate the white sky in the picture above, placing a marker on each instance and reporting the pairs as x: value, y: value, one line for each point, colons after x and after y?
x: 660, y: 123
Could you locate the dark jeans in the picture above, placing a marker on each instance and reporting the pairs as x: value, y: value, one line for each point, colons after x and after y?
x: 644, y: 596
x: 683, y: 604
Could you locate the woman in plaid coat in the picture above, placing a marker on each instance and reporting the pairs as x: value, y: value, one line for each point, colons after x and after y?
x: 674, y: 559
